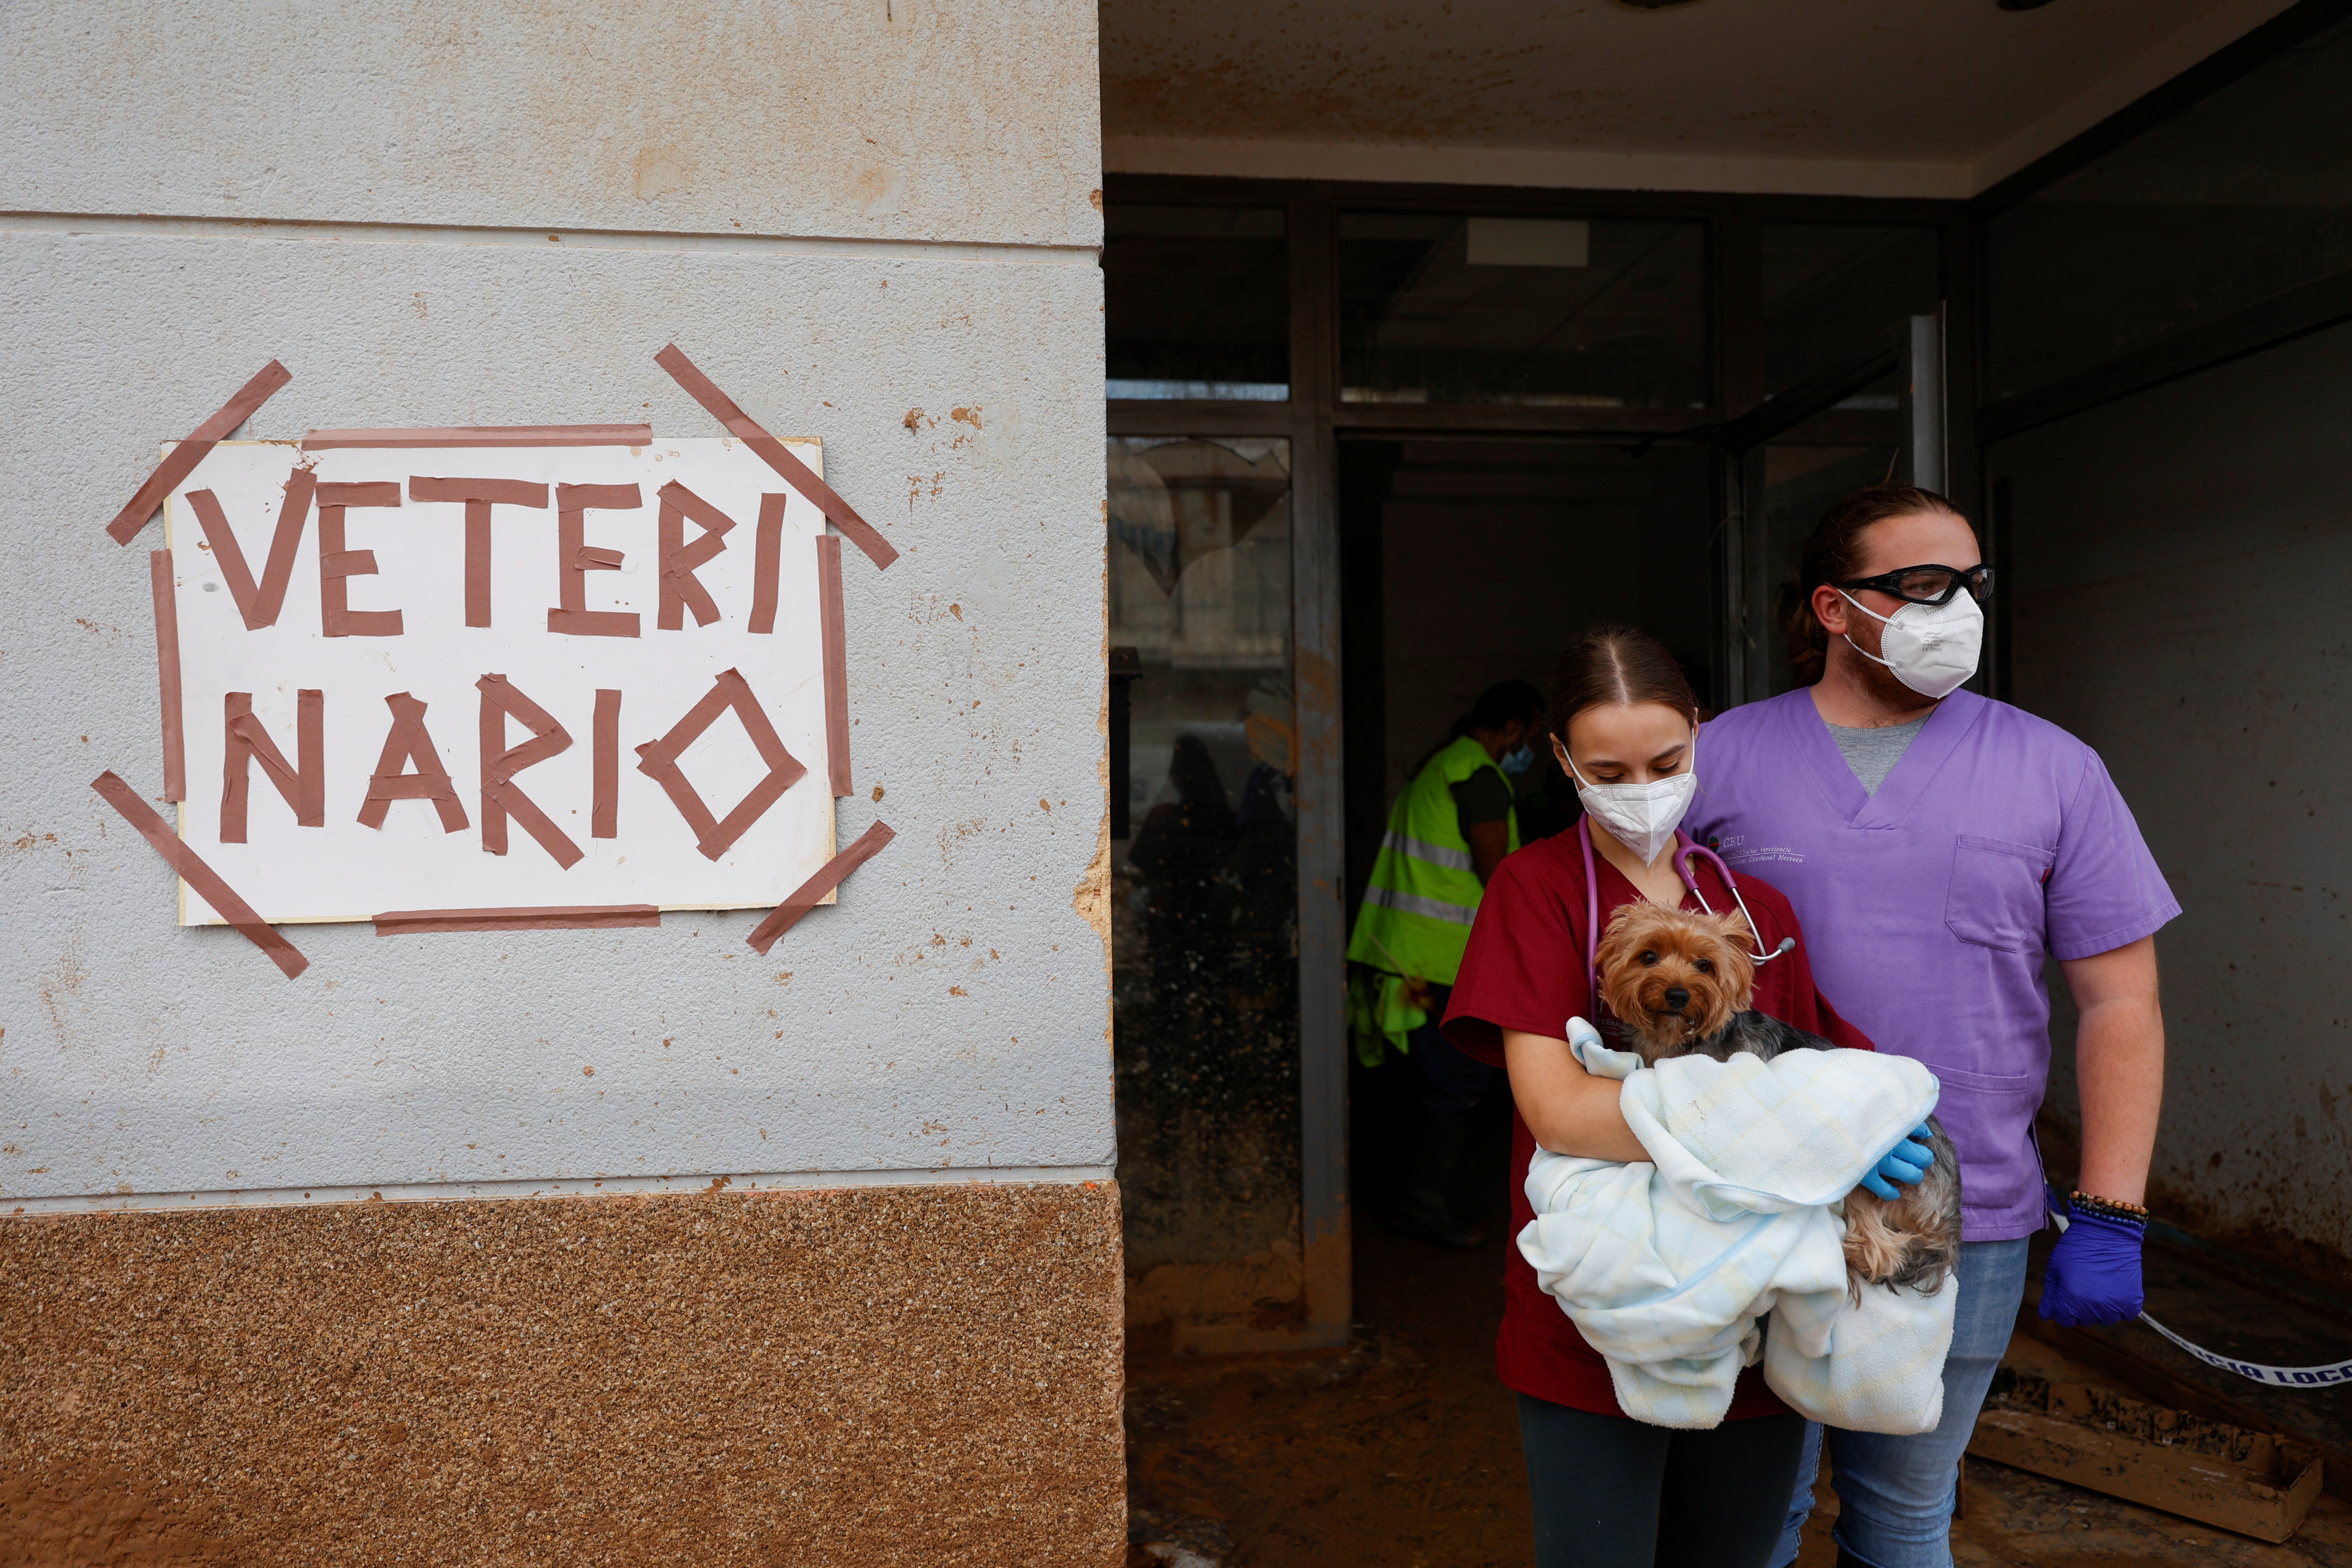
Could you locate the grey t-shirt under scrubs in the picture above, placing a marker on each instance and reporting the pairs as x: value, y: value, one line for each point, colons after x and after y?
x: 1873, y: 753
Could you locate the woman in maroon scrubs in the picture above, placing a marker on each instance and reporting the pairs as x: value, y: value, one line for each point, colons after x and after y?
x: 1610, y: 1491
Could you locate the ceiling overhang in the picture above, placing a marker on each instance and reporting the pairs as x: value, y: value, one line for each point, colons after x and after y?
x: 1860, y: 98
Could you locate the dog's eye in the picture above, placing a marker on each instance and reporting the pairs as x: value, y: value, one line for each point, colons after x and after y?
x: 1705, y: 966
x: 1648, y: 960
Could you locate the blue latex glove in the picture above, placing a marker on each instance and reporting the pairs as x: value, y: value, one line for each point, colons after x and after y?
x: 1907, y: 1162
x: 2094, y: 1273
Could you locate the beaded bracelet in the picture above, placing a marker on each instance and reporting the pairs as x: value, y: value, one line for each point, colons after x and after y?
x: 2110, y: 1208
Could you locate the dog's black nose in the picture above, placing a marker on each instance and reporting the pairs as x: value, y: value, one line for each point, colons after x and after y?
x: 1677, y: 998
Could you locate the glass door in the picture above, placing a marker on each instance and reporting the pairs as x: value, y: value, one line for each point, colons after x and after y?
x: 1205, y: 989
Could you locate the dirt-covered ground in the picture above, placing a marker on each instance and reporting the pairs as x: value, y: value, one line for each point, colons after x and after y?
x: 1402, y: 1451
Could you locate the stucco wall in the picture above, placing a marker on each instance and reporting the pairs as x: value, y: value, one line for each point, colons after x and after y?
x: 2178, y: 569
x: 911, y: 120
x: 950, y: 1012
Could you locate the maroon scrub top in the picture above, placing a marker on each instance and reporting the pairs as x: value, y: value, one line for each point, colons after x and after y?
x: 1526, y: 969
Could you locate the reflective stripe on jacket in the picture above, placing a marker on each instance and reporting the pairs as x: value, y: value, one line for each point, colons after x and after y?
x: 1423, y: 893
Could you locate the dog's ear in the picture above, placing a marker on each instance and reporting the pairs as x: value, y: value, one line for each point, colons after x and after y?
x: 1731, y: 952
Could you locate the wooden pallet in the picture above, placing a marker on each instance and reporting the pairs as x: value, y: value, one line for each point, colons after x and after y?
x: 2255, y: 1483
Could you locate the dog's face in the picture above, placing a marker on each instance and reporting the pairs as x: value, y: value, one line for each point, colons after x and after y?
x: 1671, y: 978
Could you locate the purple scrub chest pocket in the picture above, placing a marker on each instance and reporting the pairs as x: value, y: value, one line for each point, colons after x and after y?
x: 1996, y: 893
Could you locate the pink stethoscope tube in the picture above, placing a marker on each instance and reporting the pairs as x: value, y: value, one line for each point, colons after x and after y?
x: 1685, y: 847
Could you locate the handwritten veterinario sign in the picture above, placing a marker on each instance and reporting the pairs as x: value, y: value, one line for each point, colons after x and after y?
x: 452, y: 670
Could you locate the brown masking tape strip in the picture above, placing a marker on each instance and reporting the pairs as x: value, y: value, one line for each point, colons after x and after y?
x: 245, y: 742
x: 787, y: 914
x: 768, y: 563
x: 836, y: 665
x: 500, y: 797
x: 574, y: 559
x: 502, y: 492
x: 197, y: 875
x: 408, y: 741
x: 258, y: 606
x: 338, y: 564
x: 550, y: 917
x: 485, y: 436
x: 774, y: 453
x: 658, y: 761
x: 225, y: 550
x: 167, y: 673
x: 311, y: 753
x: 681, y: 590
x: 302, y: 488
x: 665, y: 771
x: 604, y: 794
x: 183, y: 458
x: 479, y: 496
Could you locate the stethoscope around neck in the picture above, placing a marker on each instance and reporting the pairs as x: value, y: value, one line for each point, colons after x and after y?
x: 1685, y: 847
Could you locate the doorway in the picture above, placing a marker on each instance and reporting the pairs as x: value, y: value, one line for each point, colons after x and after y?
x: 1466, y: 563
x: 1440, y: 428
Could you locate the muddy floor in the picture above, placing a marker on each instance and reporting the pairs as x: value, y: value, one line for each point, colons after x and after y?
x: 1402, y: 1451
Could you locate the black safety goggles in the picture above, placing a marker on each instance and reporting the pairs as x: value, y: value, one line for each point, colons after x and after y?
x: 1930, y: 584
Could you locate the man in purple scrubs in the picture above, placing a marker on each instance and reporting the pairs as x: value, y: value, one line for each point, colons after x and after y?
x: 1936, y: 844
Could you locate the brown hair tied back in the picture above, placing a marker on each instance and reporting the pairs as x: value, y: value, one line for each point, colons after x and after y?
x: 1834, y: 555
x: 1616, y: 664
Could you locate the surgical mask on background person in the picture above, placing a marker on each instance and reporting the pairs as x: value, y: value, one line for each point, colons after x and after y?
x: 1519, y: 762
x: 1643, y: 817
x: 1931, y: 649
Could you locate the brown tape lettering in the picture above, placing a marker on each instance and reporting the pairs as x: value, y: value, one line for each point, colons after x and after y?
x: 680, y: 589
x: 500, y: 797
x: 338, y: 563
x: 244, y: 742
x: 479, y: 496
x: 658, y: 761
x: 258, y: 604
x: 408, y: 741
x: 775, y: 454
x: 768, y: 562
x: 604, y: 807
x: 574, y: 560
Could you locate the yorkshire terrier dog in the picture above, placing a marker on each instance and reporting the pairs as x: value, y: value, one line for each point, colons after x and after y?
x: 1683, y: 984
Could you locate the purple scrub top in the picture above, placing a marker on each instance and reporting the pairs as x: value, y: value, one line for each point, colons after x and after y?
x: 1928, y: 907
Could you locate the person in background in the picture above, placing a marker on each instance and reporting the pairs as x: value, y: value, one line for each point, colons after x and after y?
x: 1936, y: 845
x: 1181, y: 849
x: 1446, y: 834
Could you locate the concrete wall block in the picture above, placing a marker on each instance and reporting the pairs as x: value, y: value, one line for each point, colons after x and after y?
x: 2179, y: 558
x: 893, y: 119
x: 949, y: 1013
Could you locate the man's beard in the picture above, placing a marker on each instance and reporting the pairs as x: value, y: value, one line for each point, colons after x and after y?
x: 1878, y: 681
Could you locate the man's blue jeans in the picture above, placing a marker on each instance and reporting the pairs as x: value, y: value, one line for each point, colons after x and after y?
x: 1895, y: 1494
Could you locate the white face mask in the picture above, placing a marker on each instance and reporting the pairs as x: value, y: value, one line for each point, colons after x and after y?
x: 1642, y: 816
x: 1931, y: 649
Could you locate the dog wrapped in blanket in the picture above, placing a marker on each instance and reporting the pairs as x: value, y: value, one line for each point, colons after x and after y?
x: 1683, y: 984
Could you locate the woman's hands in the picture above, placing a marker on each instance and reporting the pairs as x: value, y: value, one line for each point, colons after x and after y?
x: 1570, y: 1110
x: 1907, y: 1163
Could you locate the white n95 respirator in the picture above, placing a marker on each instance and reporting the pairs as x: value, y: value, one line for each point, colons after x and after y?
x: 1931, y: 649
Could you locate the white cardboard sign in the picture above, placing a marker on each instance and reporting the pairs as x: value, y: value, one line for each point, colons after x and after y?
x: 564, y: 581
